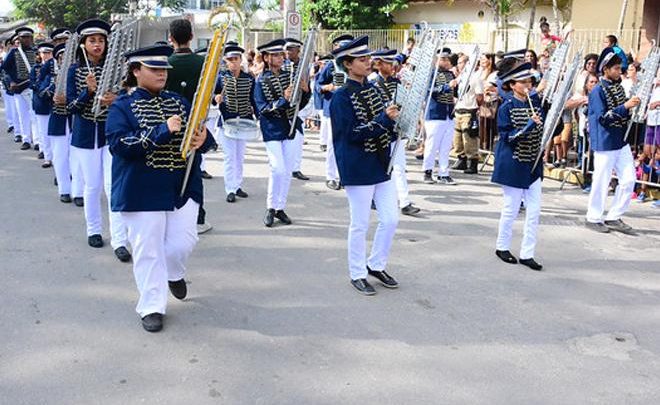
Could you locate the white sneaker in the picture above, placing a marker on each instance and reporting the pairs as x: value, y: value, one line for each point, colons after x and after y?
x: 203, y: 228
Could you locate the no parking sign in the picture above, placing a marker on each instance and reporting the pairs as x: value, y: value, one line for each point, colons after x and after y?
x: 293, y: 25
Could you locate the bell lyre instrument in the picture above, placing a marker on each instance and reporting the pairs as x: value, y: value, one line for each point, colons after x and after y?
x: 203, y: 95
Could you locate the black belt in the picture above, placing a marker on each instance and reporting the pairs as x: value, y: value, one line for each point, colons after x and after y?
x: 465, y: 110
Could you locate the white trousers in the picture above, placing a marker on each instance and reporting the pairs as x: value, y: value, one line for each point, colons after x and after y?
x: 399, y: 173
x: 280, y: 160
x: 439, y: 138
x: 331, y: 172
x: 621, y: 161
x: 10, y: 110
x: 234, y: 155
x: 44, y: 139
x: 60, y: 148
x: 325, y: 132
x: 359, y: 200
x: 512, y: 198
x: 299, y: 140
x: 96, y: 167
x: 23, y: 102
x: 162, y: 241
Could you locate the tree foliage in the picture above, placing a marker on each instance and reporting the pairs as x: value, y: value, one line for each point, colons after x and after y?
x: 351, y: 14
x: 69, y: 13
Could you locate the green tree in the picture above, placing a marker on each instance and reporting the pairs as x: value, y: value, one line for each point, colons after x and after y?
x: 241, y: 11
x: 351, y: 14
x: 69, y: 13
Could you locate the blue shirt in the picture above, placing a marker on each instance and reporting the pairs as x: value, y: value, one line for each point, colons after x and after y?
x: 147, y: 167
x: 441, y: 102
x: 361, y: 134
x: 238, y: 97
x: 88, y: 130
x: 608, y: 118
x: 275, y: 113
x: 519, y: 144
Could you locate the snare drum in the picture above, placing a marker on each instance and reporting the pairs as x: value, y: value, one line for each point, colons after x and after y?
x: 242, y: 129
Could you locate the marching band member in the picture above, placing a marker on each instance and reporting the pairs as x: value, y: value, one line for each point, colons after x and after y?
x: 41, y: 103
x: 362, y: 132
x: 327, y: 83
x: 88, y: 141
x: 438, y: 121
x: 234, y: 94
x: 58, y: 131
x: 17, y: 65
x: 7, y: 94
x: 520, y: 130
x: 292, y: 52
x: 145, y: 128
x: 608, y: 115
x: 387, y: 83
x: 466, y: 130
x: 272, y: 94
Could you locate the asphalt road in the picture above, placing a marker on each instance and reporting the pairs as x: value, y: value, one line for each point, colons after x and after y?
x: 271, y: 317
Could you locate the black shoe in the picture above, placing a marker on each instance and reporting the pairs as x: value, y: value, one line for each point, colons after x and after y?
x: 333, y: 184
x: 206, y: 175
x: 446, y: 180
x: 531, y: 263
x: 410, y: 210
x: 79, y: 201
x: 473, y: 167
x: 25, y: 146
x: 461, y: 163
x: 506, y: 256
x: 123, y: 254
x: 597, y: 226
x: 428, y: 177
x: 178, y: 288
x: 620, y: 226
x: 18, y: 138
x: 241, y: 193
x: 95, y: 241
x: 65, y: 198
x: 323, y: 148
x: 363, y: 286
x: 298, y: 175
x: 36, y: 147
x: 40, y: 156
x: 231, y: 197
x: 387, y: 280
x: 47, y: 164
x: 10, y: 130
x: 281, y: 215
x: 153, y: 322
x: 269, y: 219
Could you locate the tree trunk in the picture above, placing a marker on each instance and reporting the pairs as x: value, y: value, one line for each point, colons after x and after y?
x: 532, y: 17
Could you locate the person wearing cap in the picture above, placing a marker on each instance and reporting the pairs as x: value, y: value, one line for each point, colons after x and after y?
x: 292, y: 48
x: 59, y: 36
x: 438, y: 121
x: 272, y: 93
x: 17, y: 65
x: 7, y: 94
x: 183, y: 79
x: 234, y: 94
x: 145, y: 128
x: 384, y: 62
x: 608, y: 117
x: 88, y: 142
x: 42, y: 103
x: 520, y: 130
x: 328, y: 81
x: 466, y: 130
x: 69, y: 182
x: 362, y: 133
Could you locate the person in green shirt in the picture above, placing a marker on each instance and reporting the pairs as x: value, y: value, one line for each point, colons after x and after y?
x: 183, y: 79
